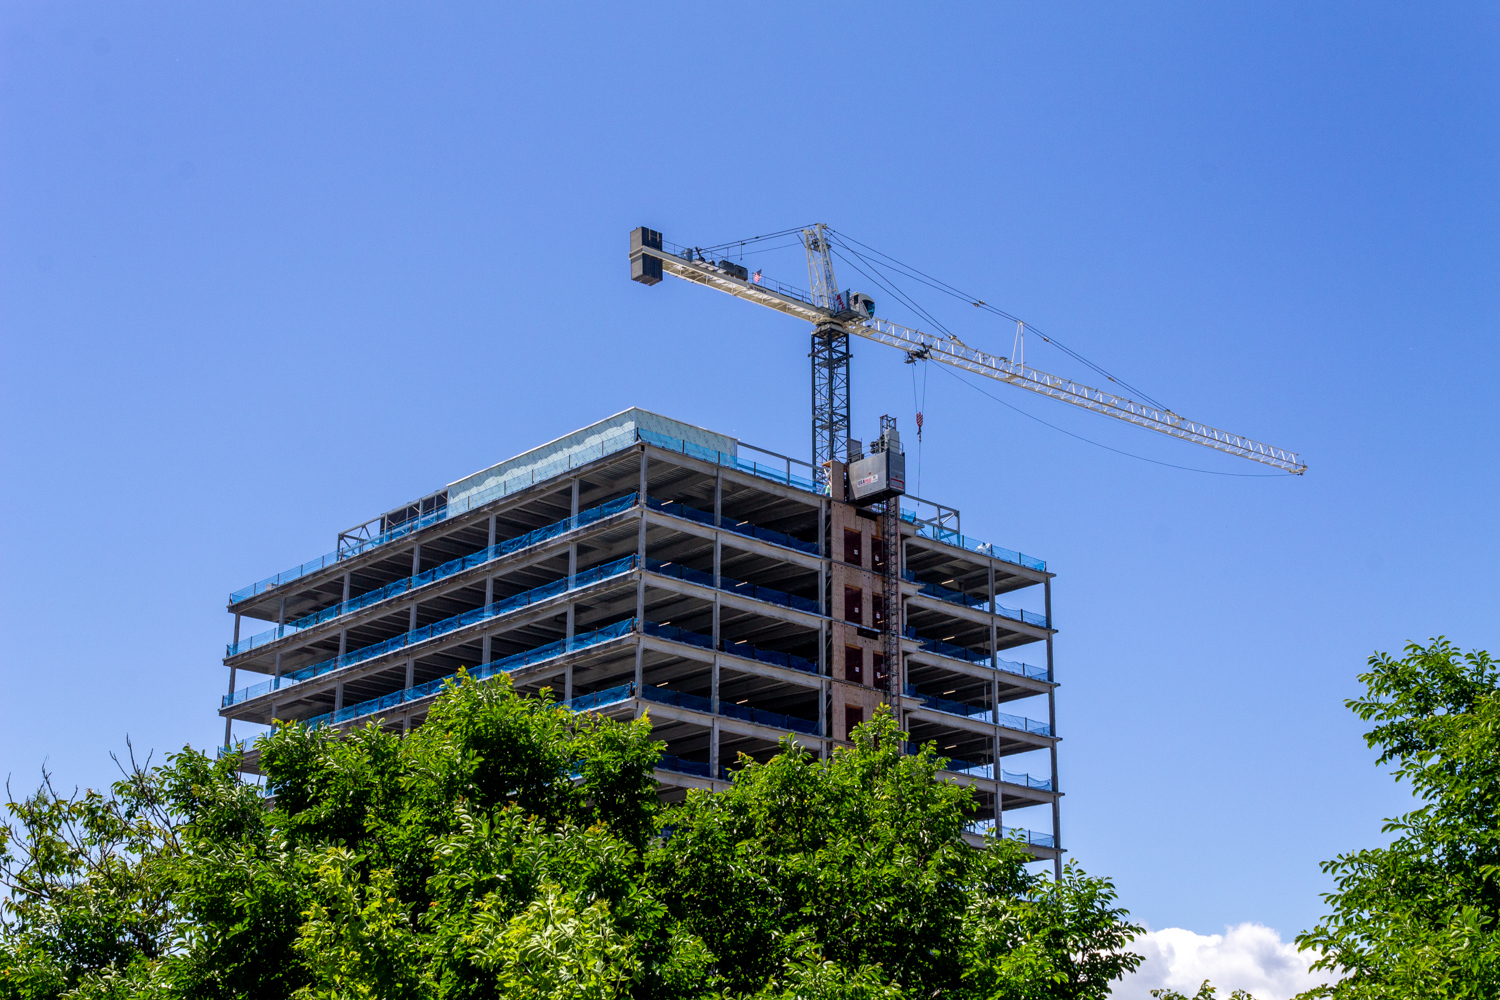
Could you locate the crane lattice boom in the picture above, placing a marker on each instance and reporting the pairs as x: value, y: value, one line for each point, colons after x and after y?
x: 684, y: 263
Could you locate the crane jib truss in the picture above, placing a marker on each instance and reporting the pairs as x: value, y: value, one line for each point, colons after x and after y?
x: 955, y: 353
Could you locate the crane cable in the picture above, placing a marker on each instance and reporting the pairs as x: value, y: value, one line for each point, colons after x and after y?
x: 1100, y: 444
x: 942, y: 286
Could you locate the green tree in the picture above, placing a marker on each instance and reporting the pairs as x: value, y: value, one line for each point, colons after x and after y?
x: 1205, y: 992
x: 1419, y: 918
x: 860, y: 860
x: 509, y: 848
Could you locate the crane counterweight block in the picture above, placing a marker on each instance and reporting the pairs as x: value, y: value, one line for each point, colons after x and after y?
x: 644, y: 267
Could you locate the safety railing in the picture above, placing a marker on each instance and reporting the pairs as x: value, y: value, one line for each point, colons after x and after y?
x: 759, y: 716
x: 531, y: 477
x: 984, y: 659
x: 447, y: 569
x: 774, y: 720
x: 926, y: 529
x: 677, y: 509
x: 678, y: 699
x: 742, y: 649
x: 973, y: 770
x: 950, y: 707
x: 600, y: 699
x: 509, y: 663
x: 700, y: 769
x: 986, y: 827
x: 695, y: 254
x: 967, y: 711
x: 730, y: 586
x: 509, y: 604
x: 729, y: 461
x: 461, y: 505
x: 982, y: 603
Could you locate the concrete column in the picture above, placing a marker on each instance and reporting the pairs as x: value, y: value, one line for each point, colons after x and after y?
x: 713, y: 745
x: 573, y: 505
x: 640, y: 670
x: 338, y: 696
x: 1052, y: 724
x: 411, y: 673
x: 229, y: 723
x: 416, y: 559
x: 641, y: 490
x: 568, y: 683
x: 236, y: 640
x: 640, y: 586
x: 484, y: 648
x: 713, y: 685
x: 995, y: 701
x: 718, y: 498
x: 569, y: 626
x: 345, y: 598
x: 491, y: 542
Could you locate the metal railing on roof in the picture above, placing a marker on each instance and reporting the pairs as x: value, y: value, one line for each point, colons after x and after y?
x: 926, y: 529
x: 509, y: 604
x: 727, y: 460
x: 447, y: 569
x: 518, y: 482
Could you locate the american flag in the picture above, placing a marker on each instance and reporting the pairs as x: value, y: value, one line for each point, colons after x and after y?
x: 755, y: 277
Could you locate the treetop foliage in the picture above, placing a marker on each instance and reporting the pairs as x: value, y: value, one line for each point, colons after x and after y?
x: 510, y: 848
x: 1421, y: 917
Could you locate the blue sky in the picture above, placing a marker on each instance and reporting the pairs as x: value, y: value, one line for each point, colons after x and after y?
x: 267, y: 270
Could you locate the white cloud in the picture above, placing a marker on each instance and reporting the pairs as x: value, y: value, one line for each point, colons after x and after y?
x: 1248, y: 957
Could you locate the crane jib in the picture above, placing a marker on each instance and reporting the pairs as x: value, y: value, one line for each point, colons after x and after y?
x: 795, y: 302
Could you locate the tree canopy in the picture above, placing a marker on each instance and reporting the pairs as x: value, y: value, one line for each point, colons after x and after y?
x: 510, y: 848
x: 1421, y: 917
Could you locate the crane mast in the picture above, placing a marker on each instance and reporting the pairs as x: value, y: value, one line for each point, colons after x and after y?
x: 837, y: 315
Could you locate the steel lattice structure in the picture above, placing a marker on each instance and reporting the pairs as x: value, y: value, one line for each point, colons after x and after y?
x: 831, y: 389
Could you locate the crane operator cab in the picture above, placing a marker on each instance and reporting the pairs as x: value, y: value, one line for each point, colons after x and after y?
x: 854, y: 305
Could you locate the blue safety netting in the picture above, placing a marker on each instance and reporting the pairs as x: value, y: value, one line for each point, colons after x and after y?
x: 986, y: 827
x: 982, y: 603
x: 522, y: 481
x: 743, y: 649
x: 730, y: 586
x: 443, y: 571
x: 984, y: 659
x: 968, y: 711
x: 949, y: 537
x: 530, y: 656
x: 670, y: 763
x: 521, y: 600
x: 599, y: 699
x: 724, y: 458
x: 504, y: 488
x: 739, y: 527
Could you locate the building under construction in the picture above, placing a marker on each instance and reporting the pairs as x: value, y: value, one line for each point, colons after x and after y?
x: 646, y: 567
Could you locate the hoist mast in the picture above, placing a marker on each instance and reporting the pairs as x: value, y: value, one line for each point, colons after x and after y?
x: 835, y: 315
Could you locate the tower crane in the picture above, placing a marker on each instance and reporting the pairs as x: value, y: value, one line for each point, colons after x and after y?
x: 837, y: 315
